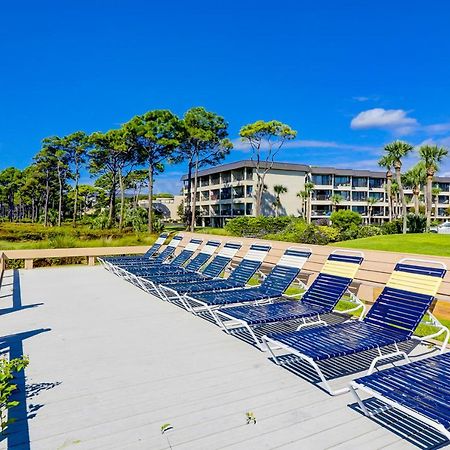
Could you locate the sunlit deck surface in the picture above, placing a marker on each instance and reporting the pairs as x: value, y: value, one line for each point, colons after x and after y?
x: 110, y: 364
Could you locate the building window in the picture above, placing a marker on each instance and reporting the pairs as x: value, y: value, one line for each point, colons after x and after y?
x: 321, y: 195
x: 225, y: 193
x: 359, y: 209
x: 215, y: 179
x: 204, y: 181
x: 378, y: 195
x: 359, y: 182
x: 238, y: 209
x: 376, y: 183
x: 225, y: 210
x: 226, y: 177
x: 238, y: 175
x: 215, y: 194
x: 341, y: 181
x: 248, y: 191
x: 321, y: 180
x: 249, y: 174
x: 359, y: 197
x: 248, y: 209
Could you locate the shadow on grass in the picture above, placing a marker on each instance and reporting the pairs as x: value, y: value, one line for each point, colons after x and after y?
x: 408, y: 428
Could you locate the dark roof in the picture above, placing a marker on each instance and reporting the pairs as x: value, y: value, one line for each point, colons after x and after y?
x: 250, y: 163
x: 315, y: 170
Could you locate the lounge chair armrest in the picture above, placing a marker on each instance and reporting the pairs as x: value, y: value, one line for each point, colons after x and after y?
x: 442, y: 329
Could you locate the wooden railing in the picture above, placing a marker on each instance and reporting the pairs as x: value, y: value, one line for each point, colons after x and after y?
x: 90, y: 253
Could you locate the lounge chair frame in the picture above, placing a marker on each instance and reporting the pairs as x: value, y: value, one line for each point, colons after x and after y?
x: 273, y: 345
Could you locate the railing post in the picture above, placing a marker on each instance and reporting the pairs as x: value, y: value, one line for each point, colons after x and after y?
x: 29, y: 263
x: 91, y: 260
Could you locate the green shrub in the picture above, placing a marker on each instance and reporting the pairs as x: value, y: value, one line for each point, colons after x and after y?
x: 349, y: 233
x: 345, y: 218
x: 256, y: 226
x: 416, y: 223
x: 313, y: 235
x: 392, y: 227
x: 368, y: 231
x: 332, y: 233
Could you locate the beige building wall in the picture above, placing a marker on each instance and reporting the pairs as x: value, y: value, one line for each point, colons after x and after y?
x: 290, y: 203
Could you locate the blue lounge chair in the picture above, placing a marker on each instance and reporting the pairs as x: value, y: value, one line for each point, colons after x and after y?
x: 161, y: 285
x: 121, y: 269
x: 420, y: 389
x: 320, y: 298
x: 392, y: 319
x: 239, y: 277
x: 108, y: 262
x: 274, y: 285
x: 130, y: 273
x: 174, y: 266
x: 143, y: 277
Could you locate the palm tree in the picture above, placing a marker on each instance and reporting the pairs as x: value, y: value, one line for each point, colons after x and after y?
x: 278, y: 189
x: 371, y: 201
x: 396, y: 151
x: 431, y: 155
x: 335, y: 200
x: 305, y: 197
x: 386, y: 162
x: 435, y: 192
x: 413, y: 179
x: 394, y: 200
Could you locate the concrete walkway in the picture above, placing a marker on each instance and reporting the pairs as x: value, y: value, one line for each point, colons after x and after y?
x: 110, y: 364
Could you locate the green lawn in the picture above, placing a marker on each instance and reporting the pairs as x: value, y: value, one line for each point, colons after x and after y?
x: 425, y: 244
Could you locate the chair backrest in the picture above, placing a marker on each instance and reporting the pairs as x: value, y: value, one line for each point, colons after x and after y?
x: 156, y: 246
x: 407, y: 295
x: 285, y: 271
x: 205, y: 253
x: 250, y: 263
x: 223, y: 258
x: 186, y: 253
x: 334, y: 279
x: 168, y: 251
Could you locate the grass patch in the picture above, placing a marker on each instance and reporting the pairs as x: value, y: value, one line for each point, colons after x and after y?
x: 211, y: 230
x: 424, y: 244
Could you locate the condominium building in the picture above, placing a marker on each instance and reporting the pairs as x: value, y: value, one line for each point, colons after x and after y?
x: 228, y: 191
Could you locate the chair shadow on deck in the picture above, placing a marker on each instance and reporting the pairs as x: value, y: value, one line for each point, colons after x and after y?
x: 16, y: 296
x: 408, y: 428
x: 344, y: 366
x: 17, y: 433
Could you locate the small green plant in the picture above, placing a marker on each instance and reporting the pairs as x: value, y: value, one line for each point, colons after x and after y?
x: 250, y: 418
x: 8, y: 368
x: 165, y: 428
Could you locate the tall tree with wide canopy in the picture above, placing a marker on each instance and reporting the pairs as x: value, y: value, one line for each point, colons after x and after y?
x: 205, y: 143
x: 76, y: 146
x: 413, y: 179
x: 10, y: 179
x: 266, y: 140
x: 110, y: 156
x: 432, y: 156
x: 154, y: 136
x: 396, y: 151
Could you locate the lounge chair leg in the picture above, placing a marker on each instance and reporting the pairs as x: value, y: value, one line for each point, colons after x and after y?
x: 358, y: 400
x: 265, y: 342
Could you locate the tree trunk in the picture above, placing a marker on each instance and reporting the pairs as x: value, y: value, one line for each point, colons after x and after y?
x: 122, y: 201
x: 416, y: 194
x: 389, y: 194
x: 75, y: 201
x: 47, y: 198
x: 402, y: 197
x: 436, y: 202
x: 194, y: 197
x: 60, y: 197
x: 150, y: 198
x: 429, y: 198
x: 112, y: 202
x: 187, y: 206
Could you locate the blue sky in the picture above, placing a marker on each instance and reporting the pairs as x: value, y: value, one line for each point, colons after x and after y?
x: 349, y: 76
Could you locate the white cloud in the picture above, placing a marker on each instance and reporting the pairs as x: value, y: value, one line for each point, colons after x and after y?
x: 307, y: 143
x: 361, y: 99
x: 395, y: 120
x: 438, y: 128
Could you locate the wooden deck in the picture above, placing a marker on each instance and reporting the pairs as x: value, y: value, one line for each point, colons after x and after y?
x: 110, y: 364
